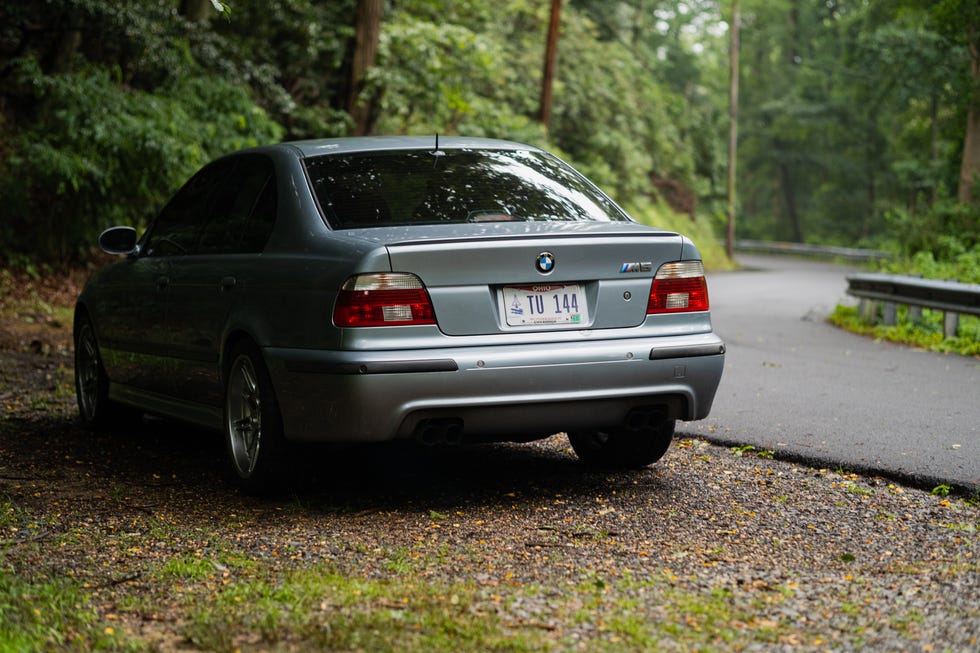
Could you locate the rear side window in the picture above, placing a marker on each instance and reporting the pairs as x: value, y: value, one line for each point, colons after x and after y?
x: 228, y: 207
x: 177, y: 229
x: 259, y: 225
x: 452, y: 186
x: 243, y: 209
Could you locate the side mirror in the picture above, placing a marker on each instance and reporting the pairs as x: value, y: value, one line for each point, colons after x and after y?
x: 118, y: 240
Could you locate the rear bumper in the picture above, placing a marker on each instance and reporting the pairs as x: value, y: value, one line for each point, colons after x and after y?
x: 518, y: 392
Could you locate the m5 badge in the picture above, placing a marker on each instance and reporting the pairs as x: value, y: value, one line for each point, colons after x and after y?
x: 645, y: 266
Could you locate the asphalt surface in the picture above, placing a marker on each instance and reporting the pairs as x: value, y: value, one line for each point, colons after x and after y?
x: 811, y: 392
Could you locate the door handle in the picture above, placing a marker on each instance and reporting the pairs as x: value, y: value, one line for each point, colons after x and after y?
x: 162, y: 283
x: 227, y: 283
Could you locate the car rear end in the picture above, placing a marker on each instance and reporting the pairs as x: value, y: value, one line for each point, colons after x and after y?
x: 504, y: 310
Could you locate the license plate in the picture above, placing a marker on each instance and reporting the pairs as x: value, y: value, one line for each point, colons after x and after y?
x: 545, y: 304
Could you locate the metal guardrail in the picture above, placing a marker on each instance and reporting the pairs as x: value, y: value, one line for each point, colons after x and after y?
x: 802, y: 249
x: 951, y: 297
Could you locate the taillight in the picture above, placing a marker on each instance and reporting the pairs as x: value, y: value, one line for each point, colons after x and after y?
x: 678, y: 287
x: 383, y: 299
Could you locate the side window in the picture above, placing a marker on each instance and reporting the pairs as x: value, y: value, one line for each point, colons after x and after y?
x: 241, y: 217
x: 259, y: 226
x: 176, y: 230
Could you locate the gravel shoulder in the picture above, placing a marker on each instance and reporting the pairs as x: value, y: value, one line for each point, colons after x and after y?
x: 710, y: 549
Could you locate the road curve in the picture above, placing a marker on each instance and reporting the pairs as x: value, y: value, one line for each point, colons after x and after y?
x: 799, y: 386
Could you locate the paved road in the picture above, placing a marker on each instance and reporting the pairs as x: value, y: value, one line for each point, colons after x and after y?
x: 797, y: 385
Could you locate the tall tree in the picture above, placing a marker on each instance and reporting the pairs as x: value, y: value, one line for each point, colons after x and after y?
x: 551, y: 51
x: 195, y: 11
x: 367, y: 33
x: 970, y: 167
x: 732, y: 127
x: 959, y: 20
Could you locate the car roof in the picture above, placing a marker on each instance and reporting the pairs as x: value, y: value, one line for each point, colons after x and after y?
x: 320, y: 147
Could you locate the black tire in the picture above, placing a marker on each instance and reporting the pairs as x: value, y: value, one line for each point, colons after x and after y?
x: 91, y: 382
x: 252, y: 422
x: 621, y: 447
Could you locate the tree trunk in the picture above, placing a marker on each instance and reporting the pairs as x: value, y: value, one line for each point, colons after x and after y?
x: 549, y: 62
x: 970, y: 168
x: 365, y: 53
x: 786, y: 182
x: 933, y: 150
x: 870, y: 161
x: 60, y: 57
x: 732, y: 131
x: 639, y: 23
x: 195, y: 10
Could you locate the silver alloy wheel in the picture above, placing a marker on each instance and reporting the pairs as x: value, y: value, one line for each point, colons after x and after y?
x: 243, y: 415
x: 87, y: 373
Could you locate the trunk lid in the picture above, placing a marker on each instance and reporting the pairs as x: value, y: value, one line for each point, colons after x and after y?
x: 534, y: 277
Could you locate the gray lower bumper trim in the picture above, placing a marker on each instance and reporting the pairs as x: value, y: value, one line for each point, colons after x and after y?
x: 374, y: 367
x: 687, y: 351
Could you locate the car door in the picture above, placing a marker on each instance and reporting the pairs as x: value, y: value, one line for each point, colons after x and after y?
x: 145, y: 325
x: 133, y: 336
x: 209, y: 280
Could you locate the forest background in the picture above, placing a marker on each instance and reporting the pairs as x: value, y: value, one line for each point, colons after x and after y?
x: 858, y: 121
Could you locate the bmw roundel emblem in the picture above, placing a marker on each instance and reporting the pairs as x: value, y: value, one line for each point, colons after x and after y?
x: 545, y: 262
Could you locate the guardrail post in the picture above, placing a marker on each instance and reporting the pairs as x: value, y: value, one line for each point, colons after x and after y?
x: 915, y: 313
x: 867, y: 308
x: 951, y: 324
x: 890, y: 317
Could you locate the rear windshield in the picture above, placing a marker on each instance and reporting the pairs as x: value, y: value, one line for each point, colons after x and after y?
x: 371, y: 189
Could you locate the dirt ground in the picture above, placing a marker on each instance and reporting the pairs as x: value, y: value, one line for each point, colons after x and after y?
x: 823, y: 559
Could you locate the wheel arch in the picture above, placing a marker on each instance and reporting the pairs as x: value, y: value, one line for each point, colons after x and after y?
x: 234, y: 338
x: 81, y: 313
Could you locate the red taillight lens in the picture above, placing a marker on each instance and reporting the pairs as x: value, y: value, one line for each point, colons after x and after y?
x: 385, y: 299
x: 678, y: 287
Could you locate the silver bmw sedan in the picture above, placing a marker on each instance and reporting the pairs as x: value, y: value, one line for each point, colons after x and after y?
x: 448, y: 290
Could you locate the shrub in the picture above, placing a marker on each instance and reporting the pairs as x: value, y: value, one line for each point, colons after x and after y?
x: 98, y: 153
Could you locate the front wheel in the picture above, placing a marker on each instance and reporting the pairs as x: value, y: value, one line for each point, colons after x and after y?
x: 91, y: 381
x: 252, y: 423
x: 621, y: 447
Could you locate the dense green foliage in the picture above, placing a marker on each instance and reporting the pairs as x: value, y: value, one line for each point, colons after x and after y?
x: 852, y: 114
x: 108, y: 141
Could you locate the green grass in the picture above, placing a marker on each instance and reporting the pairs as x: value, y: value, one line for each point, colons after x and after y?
x: 942, y: 490
x: 329, y: 611
x: 743, y: 450
x: 926, y: 333
x: 225, y: 601
x: 187, y: 567
x: 860, y: 490
x: 52, y: 614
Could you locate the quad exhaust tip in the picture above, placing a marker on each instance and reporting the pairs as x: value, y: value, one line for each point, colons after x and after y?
x: 639, y: 419
x: 449, y: 430
x: 439, y: 431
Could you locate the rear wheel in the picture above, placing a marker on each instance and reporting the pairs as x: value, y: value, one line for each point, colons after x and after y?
x: 253, y: 423
x: 621, y: 447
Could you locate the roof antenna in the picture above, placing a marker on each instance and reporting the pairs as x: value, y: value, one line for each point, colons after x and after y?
x: 437, y: 151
